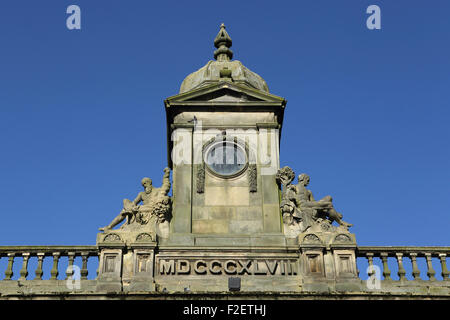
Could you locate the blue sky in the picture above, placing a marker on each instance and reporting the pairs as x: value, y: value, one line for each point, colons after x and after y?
x: 82, y: 116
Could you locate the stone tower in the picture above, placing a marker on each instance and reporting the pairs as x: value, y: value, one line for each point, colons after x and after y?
x: 224, y: 132
x: 234, y: 215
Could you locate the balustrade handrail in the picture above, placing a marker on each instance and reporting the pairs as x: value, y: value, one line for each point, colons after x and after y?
x: 391, y: 251
x: 49, y: 250
x: 93, y: 250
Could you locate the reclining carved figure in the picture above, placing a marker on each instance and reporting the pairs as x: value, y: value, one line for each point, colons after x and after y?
x: 155, y: 205
x: 320, y: 209
x: 298, y: 206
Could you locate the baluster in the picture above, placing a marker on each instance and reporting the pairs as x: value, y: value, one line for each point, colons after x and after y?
x: 445, y: 273
x: 415, y: 269
x: 84, y: 270
x: 430, y: 272
x: 39, y: 272
x: 9, y: 270
x: 386, y: 271
x: 401, y: 270
x: 24, y: 270
x: 54, y: 272
x: 371, y: 271
x: 70, y: 271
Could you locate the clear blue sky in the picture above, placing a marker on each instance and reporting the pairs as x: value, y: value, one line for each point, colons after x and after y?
x: 82, y: 117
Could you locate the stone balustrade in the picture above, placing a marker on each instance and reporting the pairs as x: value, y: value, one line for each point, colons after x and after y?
x: 410, y: 253
x: 55, y: 253
x: 124, y: 270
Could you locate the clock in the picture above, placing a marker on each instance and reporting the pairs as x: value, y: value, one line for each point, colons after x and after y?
x: 225, y: 159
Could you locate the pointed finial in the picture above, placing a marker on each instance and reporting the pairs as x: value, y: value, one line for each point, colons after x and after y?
x: 223, y: 43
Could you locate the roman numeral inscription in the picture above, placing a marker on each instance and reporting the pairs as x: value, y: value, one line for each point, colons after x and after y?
x: 227, y: 267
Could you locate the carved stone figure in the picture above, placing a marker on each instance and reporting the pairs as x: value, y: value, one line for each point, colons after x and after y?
x: 321, y: 209
x: 299, y: 208
x: 288, y: 205
x: 150, y: 206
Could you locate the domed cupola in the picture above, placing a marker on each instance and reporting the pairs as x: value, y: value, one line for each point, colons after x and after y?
x: 223, y: 69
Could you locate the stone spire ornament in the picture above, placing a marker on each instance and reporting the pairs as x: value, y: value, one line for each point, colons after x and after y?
x: 223, y: 43
x: 223, y: 69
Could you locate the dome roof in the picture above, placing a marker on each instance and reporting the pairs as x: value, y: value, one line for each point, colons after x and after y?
x: 223, y: 69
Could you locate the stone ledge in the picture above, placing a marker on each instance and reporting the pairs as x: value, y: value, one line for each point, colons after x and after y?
x: 223, y: 296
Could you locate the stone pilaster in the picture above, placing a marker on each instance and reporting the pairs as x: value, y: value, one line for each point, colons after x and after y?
x: 142, y: 267
x: 111, y: 249
x: 328, y: 260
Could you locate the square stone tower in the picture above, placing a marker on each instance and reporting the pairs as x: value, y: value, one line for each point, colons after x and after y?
x: 223, y: 141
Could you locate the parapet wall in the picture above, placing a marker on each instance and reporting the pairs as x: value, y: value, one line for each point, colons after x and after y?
x: 146, y: 271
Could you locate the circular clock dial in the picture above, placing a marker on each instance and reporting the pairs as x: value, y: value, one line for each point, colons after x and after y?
x: 226, y: 158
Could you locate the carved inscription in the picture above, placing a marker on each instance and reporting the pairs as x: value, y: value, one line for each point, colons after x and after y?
x: 227, y: 267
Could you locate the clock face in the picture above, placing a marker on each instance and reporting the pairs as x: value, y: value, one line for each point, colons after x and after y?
x: 226, y: 159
